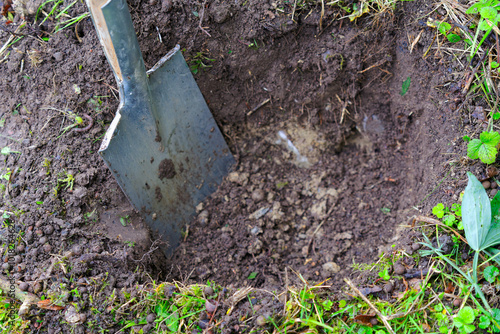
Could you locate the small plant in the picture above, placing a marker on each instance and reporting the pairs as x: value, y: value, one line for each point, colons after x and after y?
x: 6, y: 151
x: 464, y: 319
x: 130, y: 243
x: 46, y: 164
x: 77, y: 120
x: 489, y: 18
x: 384, y: 274
x: 485, y: 148
x: 450, y: 216
x: 405, y: 86
x: 125, y: 220
x: 68, y: 180
x: 200, y: 61
x: 490, y: 273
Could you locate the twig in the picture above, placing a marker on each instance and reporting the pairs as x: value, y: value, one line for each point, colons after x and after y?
x: 201, y: 18
x: 263, y: 103
x: 380, y: 315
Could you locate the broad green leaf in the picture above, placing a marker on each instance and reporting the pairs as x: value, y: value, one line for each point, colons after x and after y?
x: 490, y: 273
x: 490, y: 138
x: 474, y: 9
x: 487, y: 153
x: 444, y: 27
x: 494, y: 64
x: 484, y: 26
x: 476, y: 213
x: 252, y: 275
x: 484, y: 322
x: 495, y: 204
x: 473, y: 148
x: 453, y: 38
x: 466, y: 315
x: 489, y: 13
x: 405, y: 86
x: 469, y: 328
x: 493, y: 236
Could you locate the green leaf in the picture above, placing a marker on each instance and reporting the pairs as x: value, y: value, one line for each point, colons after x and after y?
x: 490, y: 138
x: 449, y: 220
x: 484, y: 26
x: 473, y: 148
x: 487, y: 154
x: 474, y: 9
x: 342, y: 303
x: 476, y: 213
x: 466, y: 138
x: 469, y: 328
x: 438, y: 307
x: 438, y: 210
x: 490, y: 273
x: 495, y: 205
x: 494, y: 64
x: 453, y: 38
x: 252, y: 275
x: 493, y: 235
x: 443, y: 27
x: 484, y: 322
x: 385, y: 275
x: 489, y: 13
x: 484, y: 148
x: 123, y: 221
x: 5, y: 150
x: 466, y: 315
x: 405, y: 86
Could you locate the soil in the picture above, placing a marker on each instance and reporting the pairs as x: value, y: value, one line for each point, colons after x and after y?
x: 331, y: 157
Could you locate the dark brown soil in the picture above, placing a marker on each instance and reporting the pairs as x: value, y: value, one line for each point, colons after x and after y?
x: 369, y: 158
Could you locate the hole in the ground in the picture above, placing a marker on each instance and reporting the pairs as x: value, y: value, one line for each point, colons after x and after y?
x: 314, y: 200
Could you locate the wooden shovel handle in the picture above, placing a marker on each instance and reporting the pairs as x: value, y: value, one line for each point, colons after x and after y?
x: 95, y: 7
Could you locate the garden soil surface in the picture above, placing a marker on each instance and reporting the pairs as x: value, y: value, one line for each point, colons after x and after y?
x: 333, y: 156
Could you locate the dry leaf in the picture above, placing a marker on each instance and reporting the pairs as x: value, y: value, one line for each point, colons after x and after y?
x: 366, y: 319
x: 48, y: 305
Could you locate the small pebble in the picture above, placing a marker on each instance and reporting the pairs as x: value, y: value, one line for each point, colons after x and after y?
x: 258, y: 195
x: 37, y: 287
x: 23, y: 286
x: 77, y: 250
x: 47, y: 248
x: 17, y: 259
x: 151, y: 318
x: 261, y: 321
x: 208, y: 291
x: 43, y: 240
x: 39, y: 233
x: 373, y: 321
x: 493, y: 192
x: 399, y: 269
x: 58, y: 56
x: 20, y: 248
x: 486, y: 184
x: 493, y: 185
x: 6, y: 266
x: 49, y: 230
x: 388, y: 287
x: 210, y: 307
x: 203, y: 324
x: 457, y: 302
x: 415, y: 246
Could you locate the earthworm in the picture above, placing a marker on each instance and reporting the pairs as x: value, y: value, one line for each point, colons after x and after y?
x: 87, y: 128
